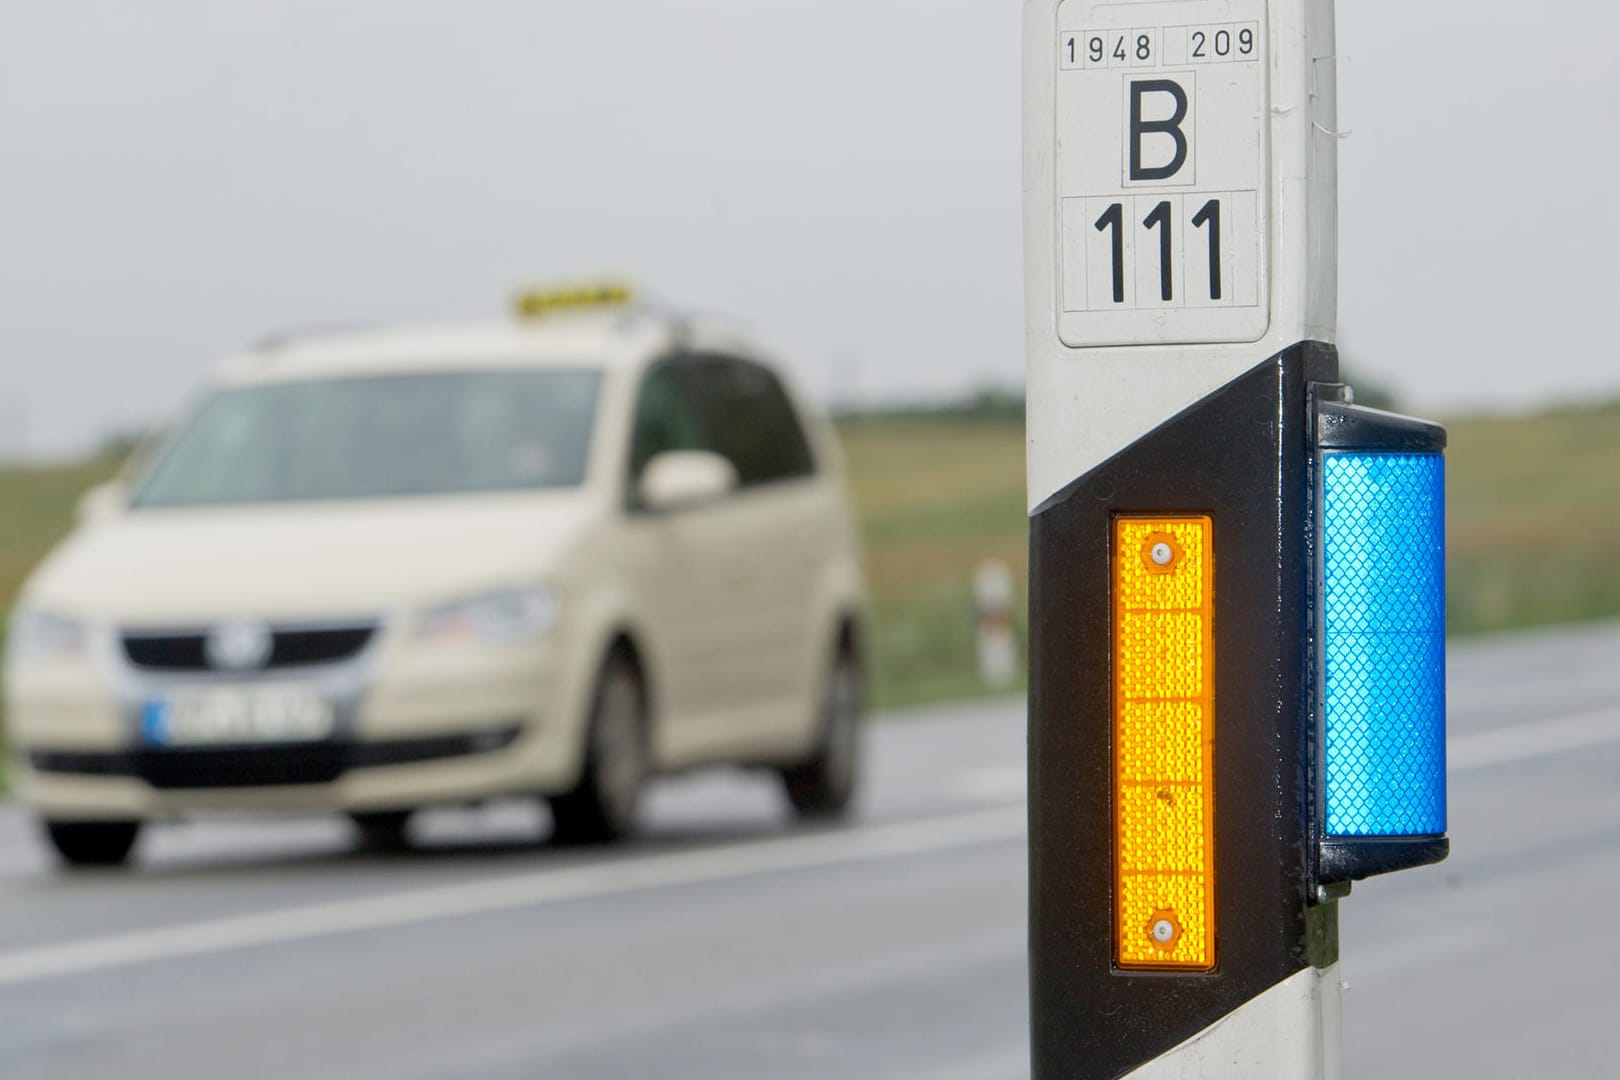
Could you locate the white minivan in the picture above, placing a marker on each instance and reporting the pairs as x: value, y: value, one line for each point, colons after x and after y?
x: 376, y: 571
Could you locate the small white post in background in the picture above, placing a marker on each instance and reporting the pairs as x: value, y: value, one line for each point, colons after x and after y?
x: 994, y: 593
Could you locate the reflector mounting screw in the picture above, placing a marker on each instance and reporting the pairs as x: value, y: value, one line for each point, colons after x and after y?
x: 1162, y: 553
x: 1164, y: 930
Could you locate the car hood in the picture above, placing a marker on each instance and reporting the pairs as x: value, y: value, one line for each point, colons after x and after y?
x: 307, y: 560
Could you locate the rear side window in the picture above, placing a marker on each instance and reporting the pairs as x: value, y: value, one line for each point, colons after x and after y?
x: 666, y: 418
x: 751, y: 420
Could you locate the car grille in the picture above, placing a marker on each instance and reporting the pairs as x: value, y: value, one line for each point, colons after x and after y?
x: 290, y: 648
x: 211, y: 768
x: 257, y: 767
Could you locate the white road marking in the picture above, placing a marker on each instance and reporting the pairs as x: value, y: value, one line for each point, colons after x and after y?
x: 1464, y: 753
x: 861, y: 844
x: 999, y: 784
x: 1524, y: 742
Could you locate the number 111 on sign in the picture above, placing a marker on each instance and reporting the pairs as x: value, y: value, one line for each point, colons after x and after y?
x: 1160, y: 251
x: 1161, y: 220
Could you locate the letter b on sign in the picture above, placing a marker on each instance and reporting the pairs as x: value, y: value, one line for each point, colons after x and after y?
x: 1158, y: 142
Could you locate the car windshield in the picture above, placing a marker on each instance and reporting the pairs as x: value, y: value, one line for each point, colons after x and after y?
x: 380, y: 437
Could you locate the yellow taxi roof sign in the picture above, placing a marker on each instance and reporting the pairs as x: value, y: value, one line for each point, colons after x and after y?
x: 538, y: 303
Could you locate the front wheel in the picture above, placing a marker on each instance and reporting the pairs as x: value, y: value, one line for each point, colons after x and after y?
x: 601, y: 808
x: 93, y: 843
x: 824, y: 785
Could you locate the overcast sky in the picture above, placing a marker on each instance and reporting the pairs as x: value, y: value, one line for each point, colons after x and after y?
x: 177, y: 179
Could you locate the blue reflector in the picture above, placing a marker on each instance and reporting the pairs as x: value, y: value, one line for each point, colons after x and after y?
x: 1383, y: 642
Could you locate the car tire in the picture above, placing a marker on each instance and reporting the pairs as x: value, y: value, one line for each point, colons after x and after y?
x: 93, y: 843
x: 383, y: 830
x: 823, y: 787
x: 601, y: 808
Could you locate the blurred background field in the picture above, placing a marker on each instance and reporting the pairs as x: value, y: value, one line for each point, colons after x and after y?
x: 36, y: 509
x: 1535, y: 519
x: 1534, y: 526
x: 937, y: 494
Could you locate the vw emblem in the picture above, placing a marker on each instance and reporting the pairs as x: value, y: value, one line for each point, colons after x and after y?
x: 239, y: 646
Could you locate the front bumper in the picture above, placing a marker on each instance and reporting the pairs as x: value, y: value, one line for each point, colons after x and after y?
x: 217, y: 768
x: 147, y: 784
x: 416, y: 727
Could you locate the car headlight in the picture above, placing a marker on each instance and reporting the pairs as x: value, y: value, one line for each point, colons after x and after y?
x: 501, y: 616
x: 36, y: 636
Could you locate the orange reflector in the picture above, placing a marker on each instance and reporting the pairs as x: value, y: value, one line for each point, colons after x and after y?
x: 1164, y: 743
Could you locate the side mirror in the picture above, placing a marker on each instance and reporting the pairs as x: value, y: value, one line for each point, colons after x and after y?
x: 677, y: 479
x: 101, y: 502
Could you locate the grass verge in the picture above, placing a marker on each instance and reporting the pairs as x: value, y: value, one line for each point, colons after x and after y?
x: 936, y: 497
x: 1534, y: 507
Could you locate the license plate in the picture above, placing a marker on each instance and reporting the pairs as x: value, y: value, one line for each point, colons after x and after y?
x: 237, y: 715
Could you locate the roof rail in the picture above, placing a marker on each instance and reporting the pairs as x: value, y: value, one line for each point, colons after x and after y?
x: 291, y: 335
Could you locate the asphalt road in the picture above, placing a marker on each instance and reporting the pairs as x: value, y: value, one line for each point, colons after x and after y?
x: 729, y: 943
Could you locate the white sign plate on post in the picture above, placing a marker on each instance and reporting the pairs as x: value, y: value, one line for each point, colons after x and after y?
x: 1163, y: 199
